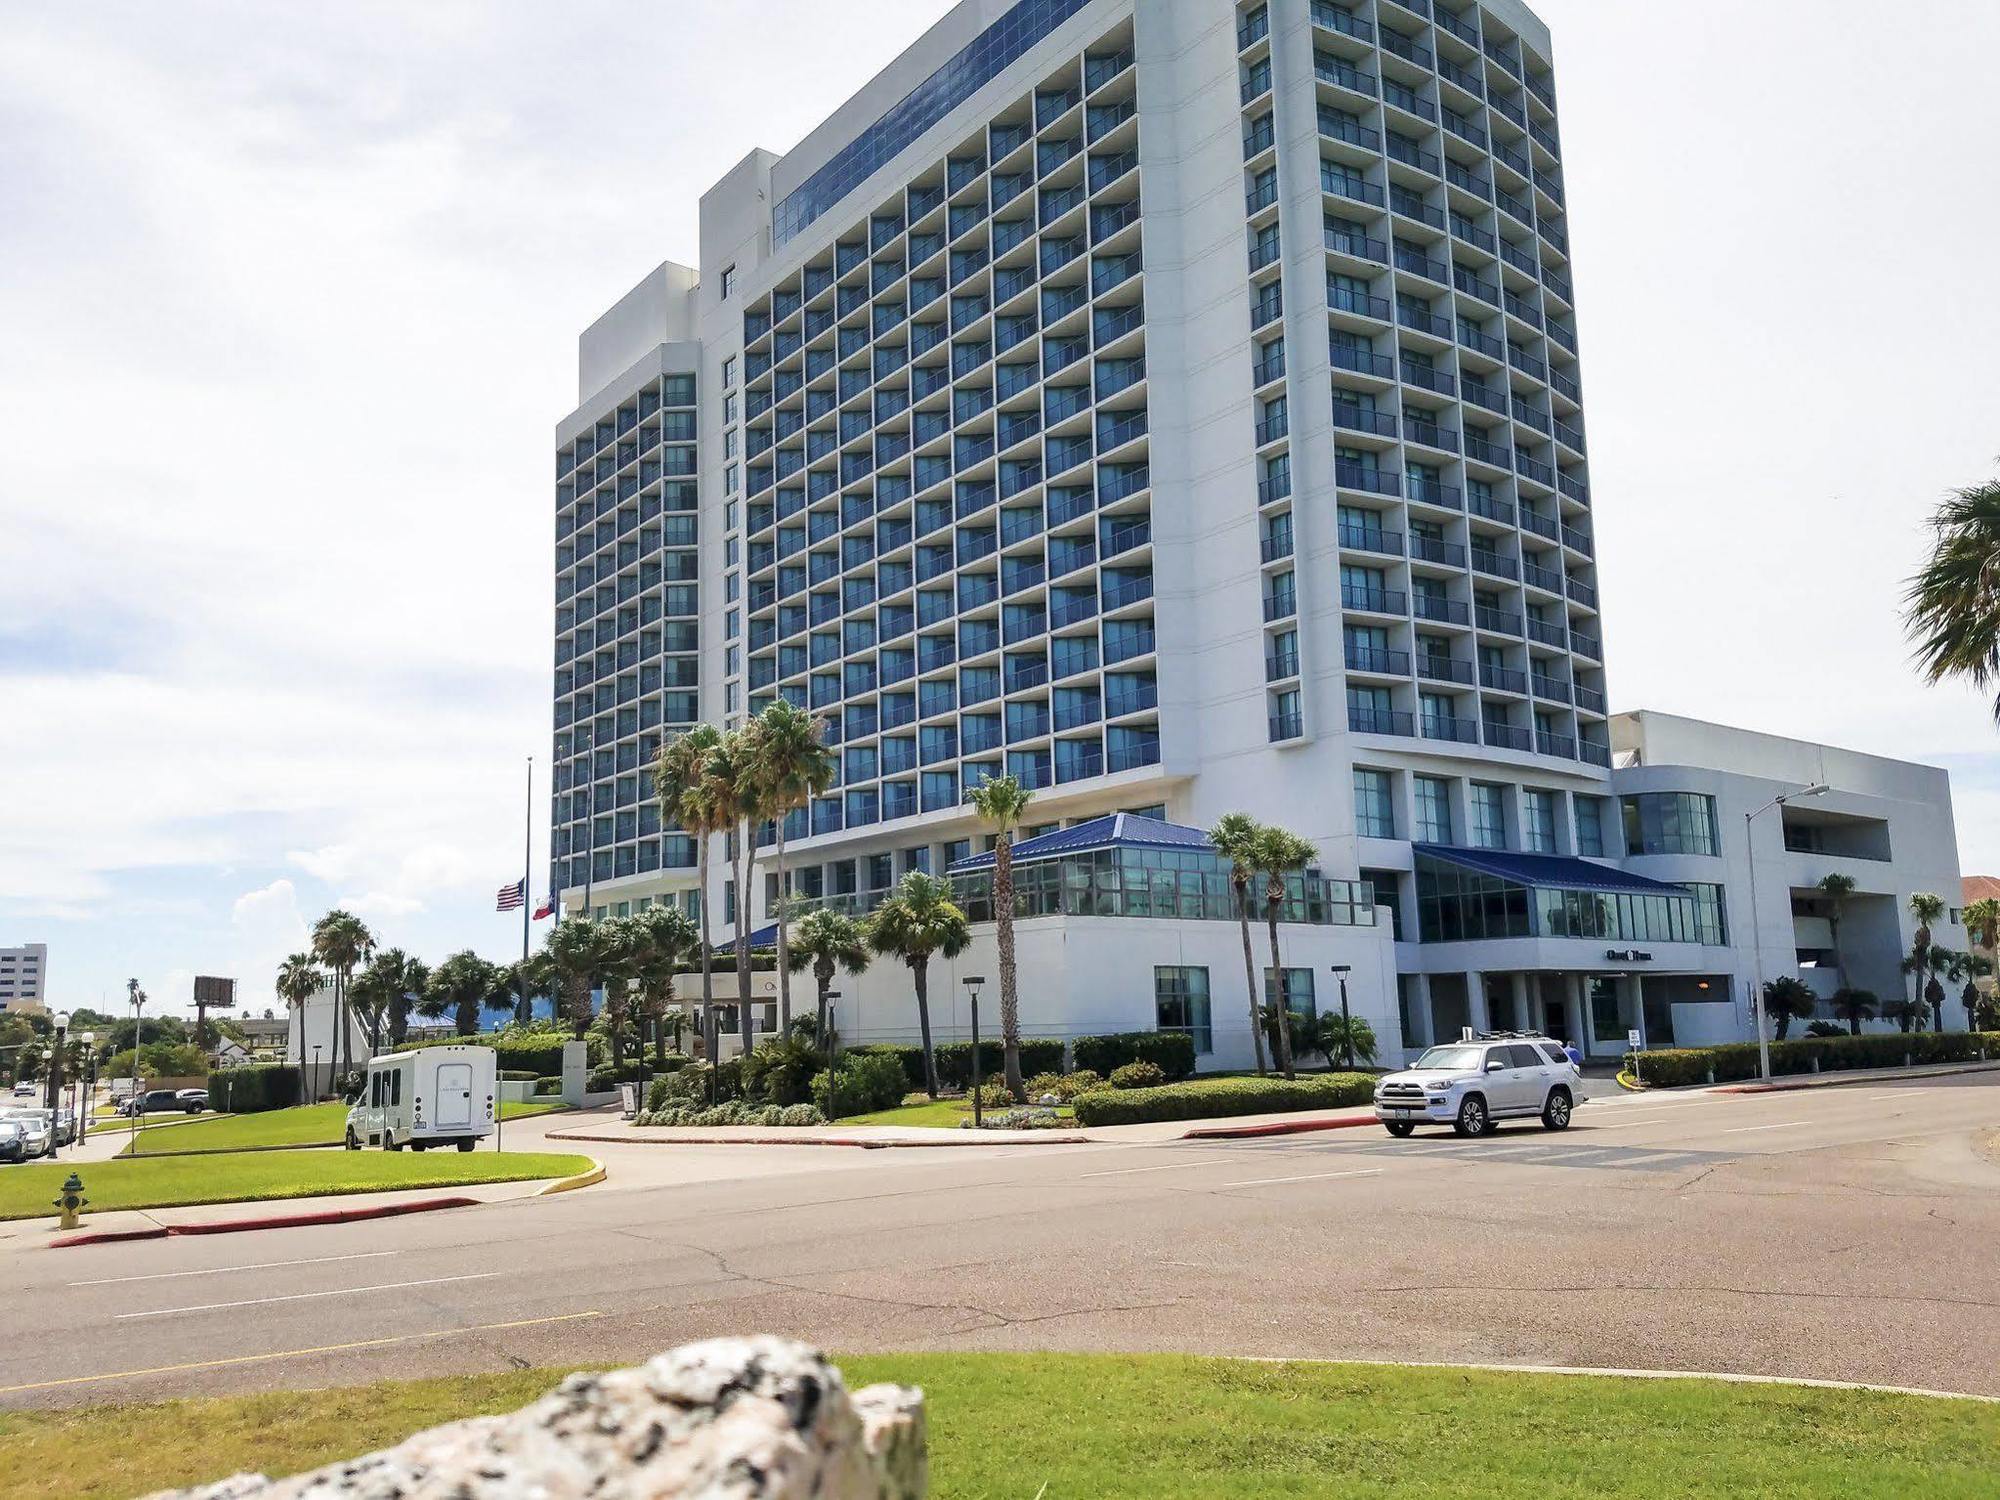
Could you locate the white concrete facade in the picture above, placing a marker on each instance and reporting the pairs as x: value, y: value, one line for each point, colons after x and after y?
x: 24, y: 977
x: 1174, y: 406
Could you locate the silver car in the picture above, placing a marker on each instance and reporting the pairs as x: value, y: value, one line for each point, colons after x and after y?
x: 13, y: 1141
x: 34, y: 1128
x: 1473, y: 1085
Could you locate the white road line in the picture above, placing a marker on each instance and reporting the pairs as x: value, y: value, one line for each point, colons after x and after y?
x: 1308, y: 1177
x: 1741, y: 1129
x: 260, y: 1265
x: 346, y: 1291
x: 1622, y: 1124
x: 1172, y: 1166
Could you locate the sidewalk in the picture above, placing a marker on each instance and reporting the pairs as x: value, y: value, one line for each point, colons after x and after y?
x: 880, y: 1137
x: 1788, y: 1081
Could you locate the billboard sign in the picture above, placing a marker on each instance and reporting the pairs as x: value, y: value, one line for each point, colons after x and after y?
x: 211, y: 993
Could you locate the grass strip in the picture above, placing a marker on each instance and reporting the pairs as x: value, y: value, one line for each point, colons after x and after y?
x: 26, y: 1192
x: 302, y: 1125
x: 1163, y: 1427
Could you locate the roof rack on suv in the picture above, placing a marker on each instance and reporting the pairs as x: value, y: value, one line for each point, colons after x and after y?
x: 1510, y: 1036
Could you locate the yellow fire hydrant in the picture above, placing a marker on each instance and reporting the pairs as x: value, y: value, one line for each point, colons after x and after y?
x: 72, y: 1202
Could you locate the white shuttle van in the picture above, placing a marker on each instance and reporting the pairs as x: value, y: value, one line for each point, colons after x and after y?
x: 434, y: 1096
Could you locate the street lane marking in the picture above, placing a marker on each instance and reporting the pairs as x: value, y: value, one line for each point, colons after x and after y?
x: 345, y: 1291
x: 1622, y: 1124
x: 1781, y: 1125
x: 1307, y: 1177
x: 251, y: 1359
x: 261, y: 1265
x: 1172, y: 1166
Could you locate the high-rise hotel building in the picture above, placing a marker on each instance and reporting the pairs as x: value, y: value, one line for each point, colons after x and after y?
x: 1176, y: 405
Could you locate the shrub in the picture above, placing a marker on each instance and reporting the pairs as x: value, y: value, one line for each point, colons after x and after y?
x: 689, y: 1086
x: 535, y: 1052
x: 954, y: 1059
x: 801, y: 1114
x: 1672, y: 1067
x: 868, y: 1082
x: 994, y: 1096
x: 1171, y: 1051
x: 1138, y: 1075
x: 1825, y: 1028
x: 1021, y: 1119
x: 780, y: 1070
x: 549, y: 1084
x: 1204, y: 1097
x: 1065, y: 1086
x: 520, y: 1075
x: 251, y: 1090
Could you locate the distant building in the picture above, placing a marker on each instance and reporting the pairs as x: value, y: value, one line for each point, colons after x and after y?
x: 1979, y: 888
x: 24, y: 977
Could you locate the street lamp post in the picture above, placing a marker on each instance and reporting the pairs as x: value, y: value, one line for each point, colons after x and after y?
x: 61, y: 1035
x: 1341, y: 972
x: 87, y: 1082
x: 832, y: 1058
x: 972, y: 983
x: 136, y: 997
x: 315, y: 1077
x: 1818, y: 788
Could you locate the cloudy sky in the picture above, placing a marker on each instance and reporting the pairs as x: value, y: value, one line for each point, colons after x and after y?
x: 288, y: 303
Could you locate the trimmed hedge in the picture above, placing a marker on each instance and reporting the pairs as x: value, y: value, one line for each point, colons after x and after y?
x: 252, y: 1090
x: 538, y: 1054
x: 868, y: 1082
x: 1671, y: 1067
x: 954, y: 1059
x: 1203, y: 1098
x: 1171, y: 1051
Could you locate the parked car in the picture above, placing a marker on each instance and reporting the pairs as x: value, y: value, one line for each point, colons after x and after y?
x: 13, y: 1141
x: 39, y: 1119
x: 197, y: 1098
x: 26, y: 1090
x: 34, y: 1131
x: 167, y: 1101
x: 1472, y: 1086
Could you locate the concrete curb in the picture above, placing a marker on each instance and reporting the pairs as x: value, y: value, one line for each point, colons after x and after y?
x: 1835, y: 1080
x: 590, y: 1178
x: 859, y: 1143
x: 269, y: 1221
x: 1273, y: 1127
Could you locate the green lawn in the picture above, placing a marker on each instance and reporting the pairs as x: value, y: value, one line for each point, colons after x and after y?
x: 944, y: 1113
x: 26, y: 1192
x: 303, y: 1125
x: 1100, y: 1427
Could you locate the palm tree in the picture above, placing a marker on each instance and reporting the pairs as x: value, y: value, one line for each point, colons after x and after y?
x: 382, y: 992
x: 1926, y: 909
x: 686, y: 801
x: 1853, y: 1007
x: 578, y: 954
x: 459, y: 986
x: 1277, y: 852
x: 299, y: 979
x: 1836, y: 889
x: 793, y: 765
x: 1982, y: 923
x: 920, y: 919
x: 1952, y: 606
x: 1785, y: 999
x: 664, y: 937
x: 731, y: 777
x: 1907, y: 1014
x: 826, y: 940
x: 1000, y: 802
x: 340, y: 940
x: 1235, y: 839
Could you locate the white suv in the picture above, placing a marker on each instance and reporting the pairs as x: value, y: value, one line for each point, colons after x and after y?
x: 1473, y: 1086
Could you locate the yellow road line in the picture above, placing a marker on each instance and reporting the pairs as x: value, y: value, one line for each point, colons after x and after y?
x: 251, y: 1359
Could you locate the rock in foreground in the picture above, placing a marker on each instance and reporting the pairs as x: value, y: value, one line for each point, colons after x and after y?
x: 730, y: 1419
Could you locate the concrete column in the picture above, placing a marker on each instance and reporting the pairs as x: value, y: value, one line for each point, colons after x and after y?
x: 1524, y: 1019
x: 1475, y: 1001
x: 1576, y: 1007
x: 1420, y: 1013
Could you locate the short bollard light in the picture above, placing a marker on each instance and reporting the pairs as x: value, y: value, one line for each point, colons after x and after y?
x: 72, y: 1202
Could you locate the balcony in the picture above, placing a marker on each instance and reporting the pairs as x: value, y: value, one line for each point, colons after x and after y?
x: 1131, y: 757
x: 1436, y: 550
x: 1381, y: 660
x: 1550, y: 743
x: 1445, y: 669
x: 1493, y: 563
x: 1507, y: 736
x: 1289, y: 726
x: 1589, y: 699
x: 1280, y: 605
x: 1355, y: 476
x: 1365, y: 539
x: 1357, y: 418
x: 1547, y: 632
x: 1373, y: 600
x: 1551, y: 689
x: 1452, y: 730
x: 1442, y: 611
x: 1502, y: 679
x: 1279, y: 665
x: 1380, y: 721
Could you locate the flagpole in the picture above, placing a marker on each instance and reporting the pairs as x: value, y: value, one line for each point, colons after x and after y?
x: 527, y: 884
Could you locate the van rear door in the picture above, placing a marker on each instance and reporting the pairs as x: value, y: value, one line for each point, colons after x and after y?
x: 454, y: 1097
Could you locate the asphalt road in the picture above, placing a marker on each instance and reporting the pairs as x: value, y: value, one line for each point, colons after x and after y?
x: 1846, y: 1233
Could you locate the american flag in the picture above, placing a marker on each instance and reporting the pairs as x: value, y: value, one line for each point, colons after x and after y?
x: 513, y: 897
x: 546, y: 909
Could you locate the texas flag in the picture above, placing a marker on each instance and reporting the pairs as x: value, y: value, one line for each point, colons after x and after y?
x: 546, y: 909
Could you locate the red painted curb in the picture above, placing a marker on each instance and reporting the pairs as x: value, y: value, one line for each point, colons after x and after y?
x: 107, y: 1237
x: 323, y: 1216
x: 1275, y: 1127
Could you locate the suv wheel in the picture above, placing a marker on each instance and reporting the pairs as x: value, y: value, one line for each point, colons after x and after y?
x: 352, y: 1143
x: 1472, y: 1117
x: 1556, y: 1112
x: 1398, y: 1128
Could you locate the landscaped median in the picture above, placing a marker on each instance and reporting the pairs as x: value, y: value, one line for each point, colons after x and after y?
x: 1207, y: 1098
x: 1163, y: 1427
x: 1672, y: 1067
x: 27, y: 1192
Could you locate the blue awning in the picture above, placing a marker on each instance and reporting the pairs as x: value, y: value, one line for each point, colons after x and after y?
x: 762, y: 937
x: 1549, y: 870
x: 1113, y: 831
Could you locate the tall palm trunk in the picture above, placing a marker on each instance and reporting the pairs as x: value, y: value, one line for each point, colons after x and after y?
x: 299, y: 1015
x: 784, y: 968
x: 707, y: 952
x: 1283, y: 1030
x: 823, y: 973
x: 1250, y: 970
x: 1010, y: 995
x: 740, y: 871
x: 920, y: 972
